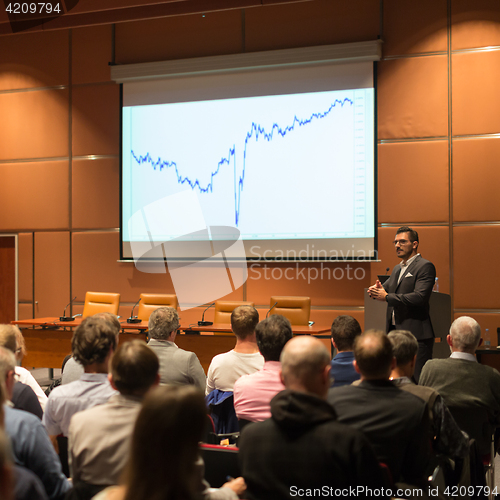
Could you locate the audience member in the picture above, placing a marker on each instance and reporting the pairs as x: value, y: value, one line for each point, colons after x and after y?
x: 302, y: 446
x: 395, y: 421
x: 344, y: 330
x: 92, y: 344
x: 177, y: 367
x: 31, y: 447
x: 163, y: 460
x: 446, y: 436
x: 99, y: 437
x: 471, y: 391
x: 253, y: 393
x: 226, y: 368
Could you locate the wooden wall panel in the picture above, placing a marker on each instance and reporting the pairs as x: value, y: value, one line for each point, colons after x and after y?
x: 475, y: 24
x: 25, y: 311
x: 96, y: 193
x: 34, y: 195
x: 476, y: 177
x: 414, y: 27
x: 418, y: 198
x: 8, y: 253
x: 91, y: 53
x: 476, y: 278
x: 180, y: 37
x: 485, y: 320
x: 34, y: 124
x: 34, y: 60
x: 476, y: 99
x: 412, y: 98
x: 51, y: 273
x: 96, y: 120
x: 25, y: 276
x: 306, y: 24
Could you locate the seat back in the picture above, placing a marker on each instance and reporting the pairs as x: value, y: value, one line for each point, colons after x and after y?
x: 98, y: 302
x: 224, y: 309
x: 152, y: 301
x: 220, y: 462
x: 296, y: 309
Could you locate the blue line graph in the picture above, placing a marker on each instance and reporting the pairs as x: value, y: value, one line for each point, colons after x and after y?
x: 256, y: 131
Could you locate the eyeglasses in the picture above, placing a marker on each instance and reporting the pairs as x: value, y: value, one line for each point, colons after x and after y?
x: 401, y: 242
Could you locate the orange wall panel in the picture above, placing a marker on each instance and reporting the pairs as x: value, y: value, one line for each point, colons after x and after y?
x: 413, y: 182
x: 34, y: 124
x: 179, y: 37
x: 51, y: 273
x: 476, y: 177
x: 412, y: 97
x: 476, y: 99
x: 414, y: 27
x: 475, y: 24
x: 476, y: 278
x: 96, y: 193
x: 304, y: 24
x: 96, y: 120
x: 30, y: 60
x: 25, y: 311
x: 25, y: 275
x: 34, y: 195
x: 91, y: 52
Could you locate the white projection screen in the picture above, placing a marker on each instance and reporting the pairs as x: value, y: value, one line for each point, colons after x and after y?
x: 281, y: 158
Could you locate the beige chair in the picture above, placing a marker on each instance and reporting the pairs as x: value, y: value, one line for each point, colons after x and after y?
x: 98, y: 302
x: 152, y: 301
x: 296, y: 309
x: 223, y: 310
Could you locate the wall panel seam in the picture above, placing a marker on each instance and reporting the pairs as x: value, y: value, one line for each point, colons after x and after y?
x: 33, y: 89
x: 412, y: 56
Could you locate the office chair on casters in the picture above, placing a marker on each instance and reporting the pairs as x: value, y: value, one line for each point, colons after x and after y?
x: 98, y: 302
x: 152, y: 301
x: 223, y: 311
x: 296, y: 309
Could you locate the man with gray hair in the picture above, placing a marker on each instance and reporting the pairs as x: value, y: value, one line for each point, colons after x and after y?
x: 177, y: 367
x: 470, y: 390
x: 302, y: 446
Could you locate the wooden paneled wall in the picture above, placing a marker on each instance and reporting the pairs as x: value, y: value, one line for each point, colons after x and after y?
x: 438, y: 151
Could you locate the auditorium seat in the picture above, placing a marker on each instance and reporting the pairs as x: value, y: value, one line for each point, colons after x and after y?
x: 296, y: 309
x: 152, y: 301
x: 98, y: 302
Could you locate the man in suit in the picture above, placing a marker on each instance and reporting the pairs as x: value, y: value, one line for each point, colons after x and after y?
x: 407, y: 293
x: 177, y: 367
x: 303, y: 446
x: 395, y: 422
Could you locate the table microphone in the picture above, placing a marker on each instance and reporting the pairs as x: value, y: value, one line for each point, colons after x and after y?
x: 275, y: 304
x: 387, y: 269
x: 64, y: 317
x: 203, y: 322
x: 134, y: 319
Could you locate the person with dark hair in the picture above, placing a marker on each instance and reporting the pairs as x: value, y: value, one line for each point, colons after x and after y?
x: 395, y: 422
x: 446, y: 436
x: 99, y: 437
x: 253, y: 392
x: 407, y: 293
x: 226, y: 368
x: 93, y: 344
x: 177, y: 366
x: 303, y: 446
x: 344, y: 331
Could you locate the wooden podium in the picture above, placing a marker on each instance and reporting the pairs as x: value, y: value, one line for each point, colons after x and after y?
x: 440, y: 313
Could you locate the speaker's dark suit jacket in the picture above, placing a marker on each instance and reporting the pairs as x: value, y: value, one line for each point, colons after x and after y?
x: 409, y: 299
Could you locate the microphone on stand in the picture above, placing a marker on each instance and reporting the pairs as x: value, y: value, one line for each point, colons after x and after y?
x: 387, y: 269
x: 275, y: 304
x: 134, y: 319
x: 64, y: 317
x: 203, y: 322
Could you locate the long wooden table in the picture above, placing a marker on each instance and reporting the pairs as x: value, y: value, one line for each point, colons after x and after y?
x: 48, y: 340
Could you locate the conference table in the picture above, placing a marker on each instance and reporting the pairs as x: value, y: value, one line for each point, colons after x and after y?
x: 48, y: 340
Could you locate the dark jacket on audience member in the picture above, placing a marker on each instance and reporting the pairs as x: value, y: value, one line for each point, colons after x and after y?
x: 24, y: 398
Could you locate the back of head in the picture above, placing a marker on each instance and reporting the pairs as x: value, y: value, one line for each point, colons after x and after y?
x: 373, y: 355
x: 162, y: 322
x: 8, y: 337
x: 134, y: 368
x: 92, y: 340
x: 111, y: 318
x: 465, y: 334
x: 303, y: 363
x: 404, y: 346
x: 244, y: 319
x: 272, y: 334
x: 344, y: 330
x: 7, y: 369
x: 165, y: 444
